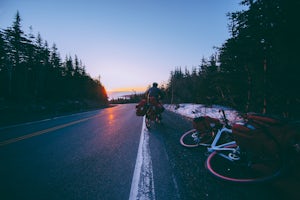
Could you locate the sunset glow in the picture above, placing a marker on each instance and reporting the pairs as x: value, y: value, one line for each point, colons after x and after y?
x: 128, y: 44
x: 133, y: 89
x: 119, y: 92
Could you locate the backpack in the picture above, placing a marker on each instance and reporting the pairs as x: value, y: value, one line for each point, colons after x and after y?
x: 263, y: 135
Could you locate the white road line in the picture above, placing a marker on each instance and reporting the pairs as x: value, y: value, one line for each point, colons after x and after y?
x: 142, y: 185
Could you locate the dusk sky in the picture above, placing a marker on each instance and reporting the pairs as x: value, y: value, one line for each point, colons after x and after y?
x: 129, y: 43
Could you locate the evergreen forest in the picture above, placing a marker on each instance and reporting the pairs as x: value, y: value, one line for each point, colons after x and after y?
x: 255, y: 70
x: 35, y: 79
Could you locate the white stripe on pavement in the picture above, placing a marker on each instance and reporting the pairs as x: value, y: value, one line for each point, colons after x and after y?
x: 142, y: 185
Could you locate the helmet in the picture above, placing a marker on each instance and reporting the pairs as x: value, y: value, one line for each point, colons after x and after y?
x: 154, y: 84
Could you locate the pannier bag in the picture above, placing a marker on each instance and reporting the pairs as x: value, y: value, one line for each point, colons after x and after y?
x: 158, y: 106
x: 205, y: 124
x: 141, y: 108
x: 263, y: 135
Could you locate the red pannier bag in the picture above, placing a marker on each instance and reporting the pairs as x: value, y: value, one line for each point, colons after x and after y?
x: 263, y: 135
x: 205, y: 124
x: 141, y: 108
x: 158, y: 106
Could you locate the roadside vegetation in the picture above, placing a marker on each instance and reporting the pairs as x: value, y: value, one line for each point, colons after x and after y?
x: 35, y: 81
x: 255, y: 70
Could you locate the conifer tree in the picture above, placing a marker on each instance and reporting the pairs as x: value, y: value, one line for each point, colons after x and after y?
x: 31, y: 71
x: 3, y: 68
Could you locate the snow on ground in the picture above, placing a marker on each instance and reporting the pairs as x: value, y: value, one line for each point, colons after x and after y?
x: 197, y: 110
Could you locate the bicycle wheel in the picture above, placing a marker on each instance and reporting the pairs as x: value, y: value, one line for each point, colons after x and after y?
x: 239, y: 169
x: 147, y: 122
x: 192, y: 139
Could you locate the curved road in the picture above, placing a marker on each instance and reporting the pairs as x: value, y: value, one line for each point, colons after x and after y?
x: 107, y: 154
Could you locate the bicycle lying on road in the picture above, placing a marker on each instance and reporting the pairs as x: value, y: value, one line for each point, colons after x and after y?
x: 256, y: 150
x: 208, y: 131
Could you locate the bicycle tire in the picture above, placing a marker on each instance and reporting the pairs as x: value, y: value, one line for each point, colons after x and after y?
x: 237, y: 171
x: 190, y: 139
x: 151, y: 120
x: 187, y: 140
x: 148, y: 122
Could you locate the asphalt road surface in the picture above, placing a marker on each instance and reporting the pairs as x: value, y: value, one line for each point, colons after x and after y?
x: 108, y: 154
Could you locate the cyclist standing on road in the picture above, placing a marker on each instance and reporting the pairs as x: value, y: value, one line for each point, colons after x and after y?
x: 156, y: 93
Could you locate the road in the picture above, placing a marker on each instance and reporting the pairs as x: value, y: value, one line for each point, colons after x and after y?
x: 101, y: 155
x: 85, y: 156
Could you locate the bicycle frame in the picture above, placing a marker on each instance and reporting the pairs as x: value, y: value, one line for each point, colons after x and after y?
x: 229, y: 162
x: 216, y: 143
x: 215, y: 147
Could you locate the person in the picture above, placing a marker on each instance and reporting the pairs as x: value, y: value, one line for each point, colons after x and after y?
x: 155, y: 93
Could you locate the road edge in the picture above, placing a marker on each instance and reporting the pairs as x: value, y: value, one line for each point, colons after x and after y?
x: 142, y: 185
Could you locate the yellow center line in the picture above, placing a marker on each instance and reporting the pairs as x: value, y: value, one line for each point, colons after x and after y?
x: 24, y: 137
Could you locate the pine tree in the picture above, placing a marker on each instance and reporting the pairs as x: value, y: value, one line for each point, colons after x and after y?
x: 16, y: 52
x: 3, y: 67
x: 30, y: 70
x: 55, y: 57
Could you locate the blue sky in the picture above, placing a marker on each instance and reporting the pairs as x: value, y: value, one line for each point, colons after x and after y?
x: 129, y: 43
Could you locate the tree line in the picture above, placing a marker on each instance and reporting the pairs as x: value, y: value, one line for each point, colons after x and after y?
x: 256, y: 69
x: 31, y: 71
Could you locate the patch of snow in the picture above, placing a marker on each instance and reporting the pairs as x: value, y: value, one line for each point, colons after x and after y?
x: 197, y: 110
